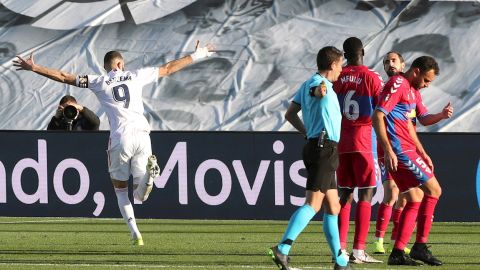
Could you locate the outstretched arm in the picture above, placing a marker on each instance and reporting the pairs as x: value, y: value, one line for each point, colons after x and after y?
x: 56, y: 75
x: 178, y: 64
x: 431, y: 119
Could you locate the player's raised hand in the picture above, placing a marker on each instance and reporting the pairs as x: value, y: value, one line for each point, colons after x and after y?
x: 202, y: 52
x: 210, y: 48
x: 24, y: 64
x: 447, y: 111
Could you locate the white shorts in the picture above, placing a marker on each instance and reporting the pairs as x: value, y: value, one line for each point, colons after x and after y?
x: 129, y: 156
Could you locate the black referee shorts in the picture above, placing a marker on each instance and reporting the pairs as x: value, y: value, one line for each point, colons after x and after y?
x: 321, y: 164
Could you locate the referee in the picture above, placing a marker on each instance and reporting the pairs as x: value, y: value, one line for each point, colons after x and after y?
x: 321, y: 126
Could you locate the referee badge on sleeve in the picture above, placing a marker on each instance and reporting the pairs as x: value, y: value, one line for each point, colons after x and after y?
x: 318, y: 91
x: 323, y: 87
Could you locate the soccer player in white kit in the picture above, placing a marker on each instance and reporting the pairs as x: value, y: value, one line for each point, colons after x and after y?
x: 120, y: 95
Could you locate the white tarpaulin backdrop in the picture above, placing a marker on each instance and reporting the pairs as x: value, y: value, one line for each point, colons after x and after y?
x: 266, y: 49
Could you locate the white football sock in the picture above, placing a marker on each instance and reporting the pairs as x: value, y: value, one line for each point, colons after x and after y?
x: 126, y: 209
x: 140, y: 192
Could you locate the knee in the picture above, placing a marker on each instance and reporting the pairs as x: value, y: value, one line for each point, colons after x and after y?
x: 332, y: 208
x: 119, y: 184
x: 335, y: 209
x: 314, y: 206
x: 389, y: 201
x: 365, y: 194
x: 390, y: 192
x: 437, y: 192
x: 346, y: 195
x: 433, y: 189
x: 401, y: 202
x: 392, y: 197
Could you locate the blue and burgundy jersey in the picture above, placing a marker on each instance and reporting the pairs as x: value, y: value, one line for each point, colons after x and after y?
x: 420, y: 110
x: 358, y: 88
x: 398, y: 101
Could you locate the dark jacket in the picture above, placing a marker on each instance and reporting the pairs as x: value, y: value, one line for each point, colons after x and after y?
x: 86, y: 120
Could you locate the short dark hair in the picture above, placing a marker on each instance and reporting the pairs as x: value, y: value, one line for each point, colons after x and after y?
x: 326, y: 56
x: 398, y: 54
x: 425, y: 64
x: 67, y: 98
x: 110, y: 57
x: 353, y: 47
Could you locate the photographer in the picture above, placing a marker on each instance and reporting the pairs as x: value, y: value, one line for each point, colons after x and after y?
x: 72, y: 116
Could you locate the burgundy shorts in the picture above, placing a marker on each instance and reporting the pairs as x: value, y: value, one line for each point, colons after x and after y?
x: 358, y: 169
x: 412, y: 171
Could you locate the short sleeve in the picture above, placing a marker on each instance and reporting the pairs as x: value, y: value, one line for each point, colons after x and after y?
x: 298, y: 97
x: 315, y: 82
x: 378, y: 85
x: 391, y: 95
x: 421, y: 109
x: 148, y: 75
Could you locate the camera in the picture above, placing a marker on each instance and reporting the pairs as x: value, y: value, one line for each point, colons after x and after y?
x: 70, y: 113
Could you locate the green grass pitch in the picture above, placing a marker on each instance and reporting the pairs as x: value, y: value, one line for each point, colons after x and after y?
x: 81, y: 243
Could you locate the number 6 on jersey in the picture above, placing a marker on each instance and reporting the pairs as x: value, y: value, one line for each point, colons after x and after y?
x: 351, y: 108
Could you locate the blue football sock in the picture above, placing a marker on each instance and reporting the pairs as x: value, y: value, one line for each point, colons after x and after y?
x: 330, y: 229
x: 297, y: 223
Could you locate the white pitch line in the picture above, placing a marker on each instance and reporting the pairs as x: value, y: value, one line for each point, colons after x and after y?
x: 33, y: 221
x: 151, y: 266
x: 70, y: 220
x: 173, y: 266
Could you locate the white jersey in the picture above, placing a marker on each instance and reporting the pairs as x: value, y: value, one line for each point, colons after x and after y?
x: 120, y: 95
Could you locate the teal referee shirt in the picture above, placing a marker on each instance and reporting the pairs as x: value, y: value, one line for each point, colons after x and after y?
x: 319, y: 113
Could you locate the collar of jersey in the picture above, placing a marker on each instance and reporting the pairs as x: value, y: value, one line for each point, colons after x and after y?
x: 324, y: 79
